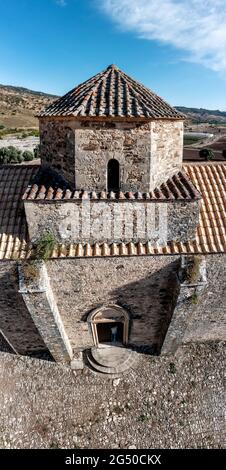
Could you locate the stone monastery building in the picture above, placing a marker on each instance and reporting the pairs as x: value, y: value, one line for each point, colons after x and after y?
x: 132, y: 240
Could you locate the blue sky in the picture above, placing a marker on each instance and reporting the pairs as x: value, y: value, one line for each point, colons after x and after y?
x: 175, y: 47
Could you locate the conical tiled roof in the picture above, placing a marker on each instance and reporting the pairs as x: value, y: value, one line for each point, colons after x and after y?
x: 112, y: 93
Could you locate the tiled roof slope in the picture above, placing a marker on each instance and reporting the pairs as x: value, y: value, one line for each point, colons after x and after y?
x: 179, y: 187
x: 209, y: 179
x: 13, y: 227
x: 111, y: 93
x: 211, y: 182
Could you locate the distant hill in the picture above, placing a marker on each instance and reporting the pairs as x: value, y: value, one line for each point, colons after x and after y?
x: 18, y: 106
x: 203, y: 115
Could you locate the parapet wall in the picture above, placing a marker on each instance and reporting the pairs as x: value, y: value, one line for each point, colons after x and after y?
x: 92, y: 221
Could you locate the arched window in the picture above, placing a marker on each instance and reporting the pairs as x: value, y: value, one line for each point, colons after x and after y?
x: 113, y: 181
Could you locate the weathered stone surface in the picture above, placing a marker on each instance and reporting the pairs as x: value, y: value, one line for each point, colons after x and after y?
x: 182, y: 221
x: 166, y: 150
x: 15, y: 320
x: 208, y: 321
x: 129, y: 144
x: 94, y: 221
x: 166, y: 402
x: 144, y: 286
x: 57, y: 148
x: 148, y: 153
x: 41, y: 305
x: 77, y: 362
x: 147, y: 287
x: 199, y: 313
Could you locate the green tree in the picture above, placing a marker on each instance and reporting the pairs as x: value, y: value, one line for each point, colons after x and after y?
x: 37, y: 152
x: 10, y: 155
x: 28, y: 156
x: 206, y: 154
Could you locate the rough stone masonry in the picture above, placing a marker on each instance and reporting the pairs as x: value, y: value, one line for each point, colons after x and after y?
x: 148, y: 153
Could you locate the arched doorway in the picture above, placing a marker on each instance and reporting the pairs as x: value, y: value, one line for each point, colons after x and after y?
x: 113, y: 175
x: 109, y: 325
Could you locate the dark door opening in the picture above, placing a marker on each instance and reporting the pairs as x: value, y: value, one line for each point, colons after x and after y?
x: 110, y: 332
x: 113, y: 175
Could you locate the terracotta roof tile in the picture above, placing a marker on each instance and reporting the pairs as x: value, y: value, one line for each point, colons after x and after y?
x: 179, y: 187
x: 209, y: 179
x: 13, y: 227
x: 111, y: 93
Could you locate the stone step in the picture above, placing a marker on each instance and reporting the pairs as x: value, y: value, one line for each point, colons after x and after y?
x: 110, y: 369
x: 110, y: 358
x: 99, y: 368
x: 108, y: 375
x: 105, y: 369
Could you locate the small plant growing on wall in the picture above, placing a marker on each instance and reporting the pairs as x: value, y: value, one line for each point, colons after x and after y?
x: 29, y: 271
x: 44, y: 246
x: 172, y: 368
x: 194, y: 299
x: 193, y: 269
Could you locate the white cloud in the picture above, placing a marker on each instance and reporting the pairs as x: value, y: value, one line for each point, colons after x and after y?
x: 195, y: 26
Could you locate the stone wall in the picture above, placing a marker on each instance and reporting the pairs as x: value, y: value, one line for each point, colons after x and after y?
x: 57, y: 147
x: 144, y: 286
x: 148, y: 153
x: 36, y: 291
x: 166, y: 150
x: 208, y: 319
x: 96, y: 144
x: 15, y: 320
x: 199, y: 313
x: 112, y: 221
